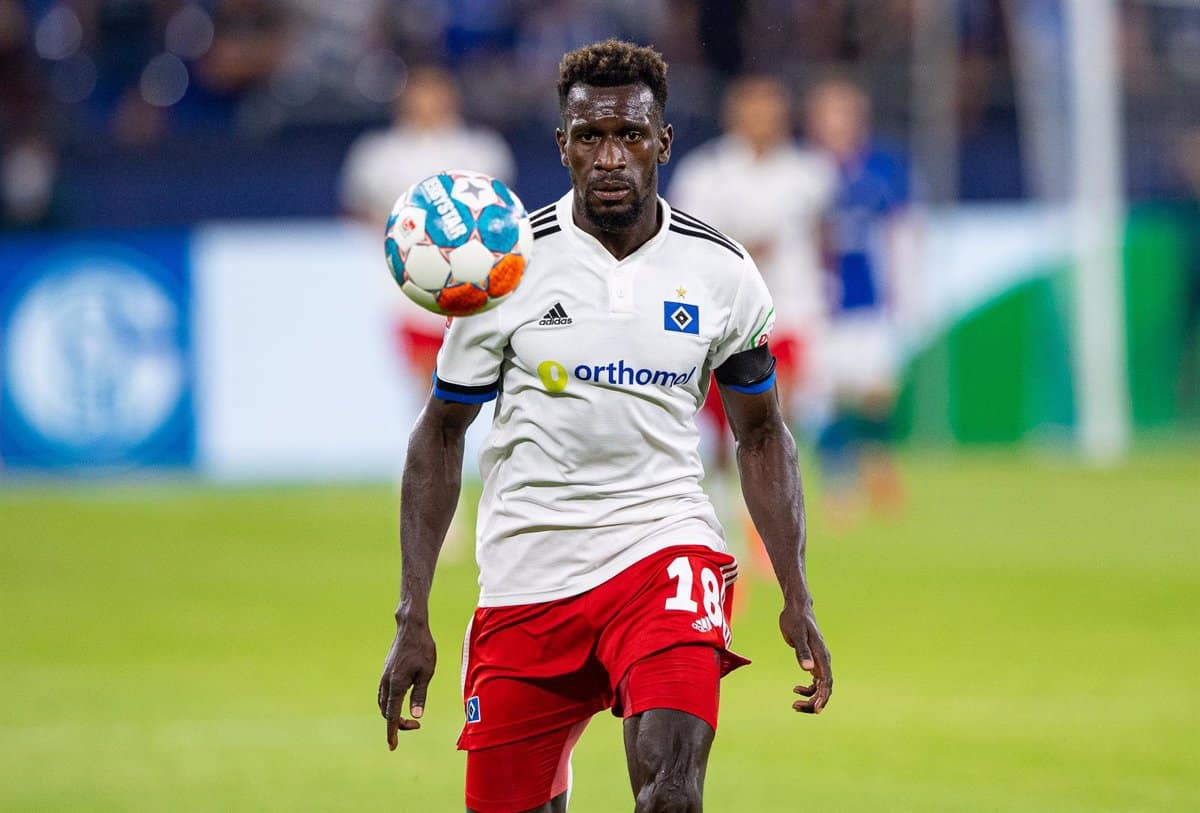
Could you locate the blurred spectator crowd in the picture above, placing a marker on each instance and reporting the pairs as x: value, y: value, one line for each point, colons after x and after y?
x: 120, y: 112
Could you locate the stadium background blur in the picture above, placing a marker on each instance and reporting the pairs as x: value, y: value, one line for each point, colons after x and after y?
x: 202, y: 410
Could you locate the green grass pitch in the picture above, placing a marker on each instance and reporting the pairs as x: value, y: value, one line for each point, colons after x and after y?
x: 1024, y: 638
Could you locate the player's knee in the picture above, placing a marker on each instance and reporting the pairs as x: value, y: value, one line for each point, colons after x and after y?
x: 670, y: 794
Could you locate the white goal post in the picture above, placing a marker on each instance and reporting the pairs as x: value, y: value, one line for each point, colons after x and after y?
x: 1098, y: 217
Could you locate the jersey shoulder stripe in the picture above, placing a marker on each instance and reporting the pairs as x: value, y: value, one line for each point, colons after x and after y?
x: 687, y: 221
x: 546, y: 231
x: 694, y: 222
x: 703, y: 235
x: 545, y: 219
x: 545, y: 210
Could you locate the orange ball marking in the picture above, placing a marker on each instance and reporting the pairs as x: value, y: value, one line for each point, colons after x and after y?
x: 505, y: 275
x: 463, y: 299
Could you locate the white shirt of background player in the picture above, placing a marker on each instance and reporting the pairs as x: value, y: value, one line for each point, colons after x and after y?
x: 771, y: 198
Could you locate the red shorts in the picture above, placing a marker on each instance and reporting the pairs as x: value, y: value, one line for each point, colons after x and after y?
x: 789, y: 353
x: 419, y: 342
x: 654, y: 636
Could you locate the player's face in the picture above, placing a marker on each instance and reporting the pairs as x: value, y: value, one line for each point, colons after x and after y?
x: 837, y: 119
x: 758, y: 110
x: 430, y: 100
x: 612, y: 143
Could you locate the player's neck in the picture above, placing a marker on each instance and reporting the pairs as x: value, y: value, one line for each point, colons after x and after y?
x: 621, y: 243
x: 761, y: 148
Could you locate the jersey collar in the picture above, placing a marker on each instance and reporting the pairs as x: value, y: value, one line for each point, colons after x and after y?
x: 566, y: 215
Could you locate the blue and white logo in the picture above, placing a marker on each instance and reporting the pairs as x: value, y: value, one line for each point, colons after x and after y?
x: 680, y: 317
x: 94, y: 363
x: 473, y: 709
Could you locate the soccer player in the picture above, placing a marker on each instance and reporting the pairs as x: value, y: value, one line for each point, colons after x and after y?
x: 604, y: 577
x: 755, y: 183
x: 860, y: 348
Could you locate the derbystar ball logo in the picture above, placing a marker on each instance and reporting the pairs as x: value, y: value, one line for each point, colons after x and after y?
x: 618, y: 373
x: 452, y: 222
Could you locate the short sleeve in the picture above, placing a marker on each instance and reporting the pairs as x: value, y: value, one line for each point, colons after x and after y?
x: 468, y: 364
x: 749, y: 325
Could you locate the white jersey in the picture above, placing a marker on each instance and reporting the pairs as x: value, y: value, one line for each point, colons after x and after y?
x: 774, y: 203
x: 592, y: 461
x: 381, y: 165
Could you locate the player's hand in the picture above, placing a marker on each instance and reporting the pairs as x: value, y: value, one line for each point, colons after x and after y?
x: 799, y: 628
x: 409, y: 665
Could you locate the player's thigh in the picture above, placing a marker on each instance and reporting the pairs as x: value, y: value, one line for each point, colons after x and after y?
x: 528, y: 670
x: 671, y: 700
x: 532, y: 774
x: 667, y: 754
x: 556, y: 805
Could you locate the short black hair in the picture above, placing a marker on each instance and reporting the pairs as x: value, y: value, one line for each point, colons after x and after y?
x: 610, y: 63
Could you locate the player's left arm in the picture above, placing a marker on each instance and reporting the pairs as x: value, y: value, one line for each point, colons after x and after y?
x: 771, y: 485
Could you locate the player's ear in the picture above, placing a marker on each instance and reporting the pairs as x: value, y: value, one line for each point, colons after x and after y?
x: 665, y: 137
x: 561, y: 137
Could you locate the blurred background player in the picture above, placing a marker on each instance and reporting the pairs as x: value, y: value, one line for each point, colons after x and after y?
x: 859, y: 353
x: 427, y: 135
x: 756, y: 184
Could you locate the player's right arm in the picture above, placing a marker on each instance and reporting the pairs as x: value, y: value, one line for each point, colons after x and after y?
x: 428, y: 496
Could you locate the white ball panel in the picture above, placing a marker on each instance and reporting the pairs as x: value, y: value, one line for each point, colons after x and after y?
x: 401, y: 201
x: 421, y: 297
x: 468, y: 173
x: 426, y: 266
x: 471, y: 262
x: 474, y: 191
x: 409, y: 226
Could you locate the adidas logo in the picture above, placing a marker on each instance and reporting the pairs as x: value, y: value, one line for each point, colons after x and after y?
x: 556, y: 316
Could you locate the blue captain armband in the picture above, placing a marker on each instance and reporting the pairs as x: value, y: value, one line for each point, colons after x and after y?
x: 750, y: 372
x: 754, y: 389
x: 463, y: 394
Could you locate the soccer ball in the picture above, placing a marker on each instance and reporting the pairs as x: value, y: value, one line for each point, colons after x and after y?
x: 457, y: 242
